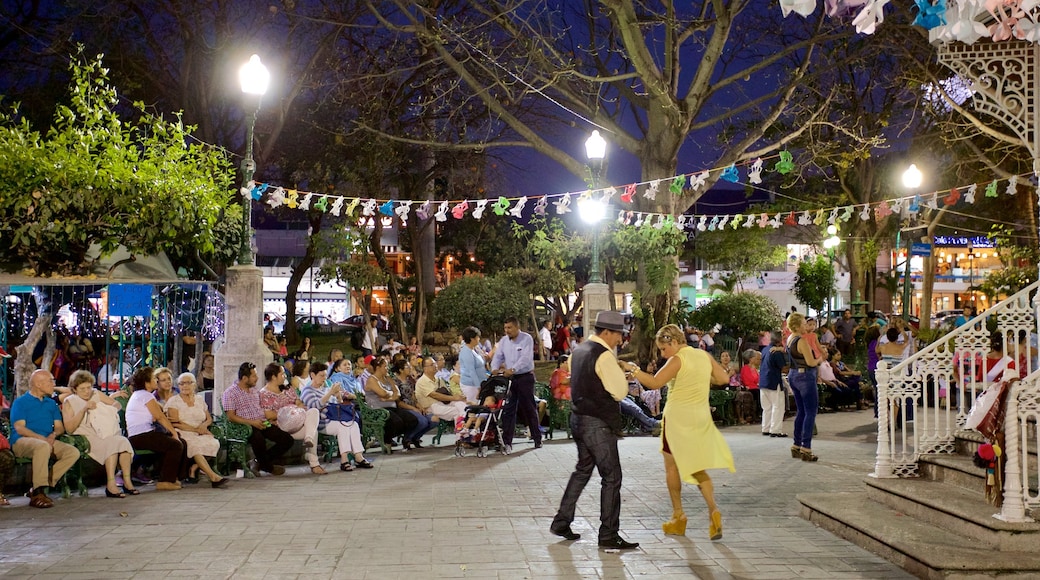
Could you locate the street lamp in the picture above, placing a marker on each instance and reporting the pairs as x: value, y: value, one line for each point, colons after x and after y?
x: 971, y: 272
x: 912, y: 179
x: 830, y: 244
x: 593, y: 211
x: 253, y: 78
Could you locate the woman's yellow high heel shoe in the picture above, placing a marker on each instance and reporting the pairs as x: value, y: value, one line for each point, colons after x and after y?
x: 715, y: 529
x: 675, y: 526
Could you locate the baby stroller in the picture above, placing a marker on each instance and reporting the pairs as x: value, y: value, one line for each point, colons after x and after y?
x: 492, y: 396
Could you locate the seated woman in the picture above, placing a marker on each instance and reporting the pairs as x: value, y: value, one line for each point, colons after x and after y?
x: 300, y: 377
x: 749, y: 377
x: 165, y: 390
x: 381, y: 393
x: 271, y: 342
x: 95, y: 415
x: 743, y: 401
x: 142, y: 413
x: 191, y: 418
x: 343, y: 373
x: 347, y: 430
x: 279, y: 402
x: 6, y: 466
x: 840, y: 393
x: 560, y: 381
x: 402, y: 374
x: 848, y: 376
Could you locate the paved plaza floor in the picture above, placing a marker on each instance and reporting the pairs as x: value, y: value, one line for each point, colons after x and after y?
x: 427, y: 514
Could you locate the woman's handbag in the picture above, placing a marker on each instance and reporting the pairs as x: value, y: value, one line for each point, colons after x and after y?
x: 291, y: 418
x: 987, y: 414
x: 104, y: 420
x: 341, y: 412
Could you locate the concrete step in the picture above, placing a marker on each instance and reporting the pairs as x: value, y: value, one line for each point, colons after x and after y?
x: 957, y: 470
x: 955, y: 510
x: 922, y: 549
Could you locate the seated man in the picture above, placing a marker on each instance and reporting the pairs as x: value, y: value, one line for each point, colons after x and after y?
x: 841, y: 393
x: 849, y: 377
x: 436, y: 401
x: 241, y: 403
x: 37, y: 424
x: 632, y: 409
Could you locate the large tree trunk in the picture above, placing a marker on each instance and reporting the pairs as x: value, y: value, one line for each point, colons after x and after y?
x: 24, y: 365
x: 375, y: 243
x: 292, y: 335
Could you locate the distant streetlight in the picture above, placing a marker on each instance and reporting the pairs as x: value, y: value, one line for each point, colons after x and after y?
x: 253, y: 78
x: 912, y: 179
x: 830, y: 244
x: 593, y: 211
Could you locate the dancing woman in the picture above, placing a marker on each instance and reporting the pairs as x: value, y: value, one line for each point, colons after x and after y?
x: 690, y: 442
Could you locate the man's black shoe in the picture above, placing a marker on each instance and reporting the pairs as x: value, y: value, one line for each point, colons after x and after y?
x: 564, y: 532
x: 618, y: 544
x: 538, y: 444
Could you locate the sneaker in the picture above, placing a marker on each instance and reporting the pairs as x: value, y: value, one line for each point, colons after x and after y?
x: 618, y: 544
x: 507, y: 449
x: 3, y: 353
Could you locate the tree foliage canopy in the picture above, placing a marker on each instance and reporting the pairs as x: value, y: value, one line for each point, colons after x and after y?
x: 96, y: 178
x: 739, y: 314
x: 814, y: 282
x: 484, y: 302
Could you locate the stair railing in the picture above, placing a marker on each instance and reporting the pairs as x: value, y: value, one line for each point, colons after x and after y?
x: 911, y: 418
x: 1020, y: 427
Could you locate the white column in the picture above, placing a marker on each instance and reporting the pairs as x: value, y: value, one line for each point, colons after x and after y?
x: 243, y: 328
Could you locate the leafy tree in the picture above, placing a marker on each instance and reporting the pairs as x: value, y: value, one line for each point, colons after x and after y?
x: 814, y: 282
x: 740, y: 314
x: 1019, y: 265
x: 740, y: 253
x: 96, y: 177
x: 484, y: 302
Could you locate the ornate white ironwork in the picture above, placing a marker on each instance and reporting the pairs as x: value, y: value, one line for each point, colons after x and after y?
x: 1023, y: 412
x: 1004, y: 78
x: 911, y: 420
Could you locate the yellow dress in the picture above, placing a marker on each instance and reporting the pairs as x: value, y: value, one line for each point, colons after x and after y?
x: 688, y: 430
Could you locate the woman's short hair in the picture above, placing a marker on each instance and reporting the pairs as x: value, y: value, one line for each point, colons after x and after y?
x: 670, y: 333
x: 184, y: 377
x: 795, y: 320
x: 318, y: 367
x: 892, y: 334
x: 271, y: 371
x: 450, y: 360
x: 749, y: 354
x: 142, y: 377
x: 469, y: 333
x: 162, y: 371
x: 80, y: 377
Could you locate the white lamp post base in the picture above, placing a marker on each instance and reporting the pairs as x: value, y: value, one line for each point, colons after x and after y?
x: 243, y: 328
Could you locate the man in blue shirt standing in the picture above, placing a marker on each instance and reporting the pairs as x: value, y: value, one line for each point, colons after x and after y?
x: 36, y: 423
x: 514, y: 358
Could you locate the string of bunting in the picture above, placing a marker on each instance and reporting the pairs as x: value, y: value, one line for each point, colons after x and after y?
x: 276, y: 196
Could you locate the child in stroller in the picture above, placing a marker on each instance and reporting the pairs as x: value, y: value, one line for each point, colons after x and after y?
x: 481, y: 428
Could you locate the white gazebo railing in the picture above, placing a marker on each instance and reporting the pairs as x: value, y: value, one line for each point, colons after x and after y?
x: 911, y: 420
x: 1022, y: 470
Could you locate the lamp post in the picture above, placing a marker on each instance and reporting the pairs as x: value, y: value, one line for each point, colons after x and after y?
x: 971, y: 272
x: 911, y: 180
x: 244, y: 287
x: 253, y: 78
x: 592, y: 211
x: 830, y: 244
x: 596, y: 295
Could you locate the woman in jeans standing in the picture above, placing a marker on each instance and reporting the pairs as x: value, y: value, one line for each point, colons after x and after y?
x: 802, y: 377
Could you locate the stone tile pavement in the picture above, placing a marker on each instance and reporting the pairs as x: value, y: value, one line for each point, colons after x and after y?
x: 430, y: 514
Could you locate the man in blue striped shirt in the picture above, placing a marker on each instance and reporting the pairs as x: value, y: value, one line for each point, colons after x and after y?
x: 514, y: 358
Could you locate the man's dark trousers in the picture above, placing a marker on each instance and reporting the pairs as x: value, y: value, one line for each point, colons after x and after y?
x: 597, y: 447
x: 258, y: 441
x: 521, y: 400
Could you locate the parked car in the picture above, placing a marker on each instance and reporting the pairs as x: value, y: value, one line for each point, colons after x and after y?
x: 276, y: 320
x: 319, y: 324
